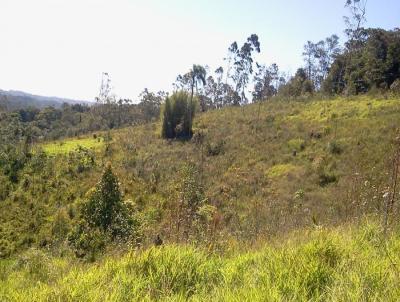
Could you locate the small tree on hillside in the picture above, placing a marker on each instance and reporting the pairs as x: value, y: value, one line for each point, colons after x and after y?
x: 104, y: 217
x: 105, y: 209
x: 198, y: 76
x: 191, y: 198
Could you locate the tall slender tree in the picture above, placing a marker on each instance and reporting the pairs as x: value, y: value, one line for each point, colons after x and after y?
x: 198, y: 77
x: 355, y: 21
x: 243, y: 64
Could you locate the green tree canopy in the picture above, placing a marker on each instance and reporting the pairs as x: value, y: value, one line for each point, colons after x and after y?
x: 105, y: 209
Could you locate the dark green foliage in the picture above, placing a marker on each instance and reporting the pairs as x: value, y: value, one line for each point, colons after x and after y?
x: 104, y: 208
x: 299, y: 85
x: 12, y: 160
x: 242, y: 63
x: 104, y: 217
x: 265, y: 82
x: 87, y: 240
x: 334, y: 83
x: 178, y: 116
x: 73, y: 120
x: 82, y: 159
x: 6, y: 248
x: 326, y: 177
x: 374, y: 63
x: 167, y: 127
x: 335, y: 147
x: 214, y: 149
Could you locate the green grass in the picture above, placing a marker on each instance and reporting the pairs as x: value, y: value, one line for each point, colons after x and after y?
x: 344, y: 264
x: 361, y: 107
x: 253, y: 180
x: 280, y: 170
x: 261, y: 190
x: 69, y: 145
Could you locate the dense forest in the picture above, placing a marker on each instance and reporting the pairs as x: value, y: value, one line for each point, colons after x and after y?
x: 243, y: 183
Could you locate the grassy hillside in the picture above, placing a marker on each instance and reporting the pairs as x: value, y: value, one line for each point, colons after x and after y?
x: 265, y: 169
x: 293, y: 200
x: 343, y: 264
x: 276, y: 167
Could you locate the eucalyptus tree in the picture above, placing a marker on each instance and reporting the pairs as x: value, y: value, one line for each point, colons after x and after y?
x: 309, y: 59
x: 354, y: 22
x: 266, y: 81
x: 219, y: 91
x: 319, y: 57
x: 150, y: 103
x: 243, y: 64
x: 324, y: 52
x: 198, y: 77
x: 215, y: 90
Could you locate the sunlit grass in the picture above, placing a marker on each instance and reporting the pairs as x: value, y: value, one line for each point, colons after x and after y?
x: 339, y: 108
x: 262, y: 188
x: 280, y: 170
x: 342, y: 264
x: 68, y: 145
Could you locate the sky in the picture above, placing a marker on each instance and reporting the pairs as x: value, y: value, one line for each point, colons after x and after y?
x: 61, y: 47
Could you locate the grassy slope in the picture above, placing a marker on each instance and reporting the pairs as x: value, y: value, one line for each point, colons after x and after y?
x: 256, y: 183
x: 259, y: 188
x: 69, y: 145
x: 337, y: 265
x: 256, y: 177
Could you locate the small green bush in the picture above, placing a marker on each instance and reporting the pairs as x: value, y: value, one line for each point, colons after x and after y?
x: 334, y: 147
x: 214, y: 149
x: 326, y: 178
x: 6, y: 248
x: 87, y: 241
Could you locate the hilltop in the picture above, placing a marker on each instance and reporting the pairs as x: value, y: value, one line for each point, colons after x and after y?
x: 13, y: 100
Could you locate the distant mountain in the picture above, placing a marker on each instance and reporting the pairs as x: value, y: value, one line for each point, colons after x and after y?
x: 12, y: 99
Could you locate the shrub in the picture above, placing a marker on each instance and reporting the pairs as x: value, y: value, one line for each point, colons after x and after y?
x: 81, y: 159
x: 326, y: 177
x: 178, y: 116
x: 86, y: 241
x: 6, y: 248
x: 214, y: 149
x: 103, y: 216
x: 335, y: 147
x: 5, y: 187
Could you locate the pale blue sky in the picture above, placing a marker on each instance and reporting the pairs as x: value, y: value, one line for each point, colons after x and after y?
x: 60, y: 47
